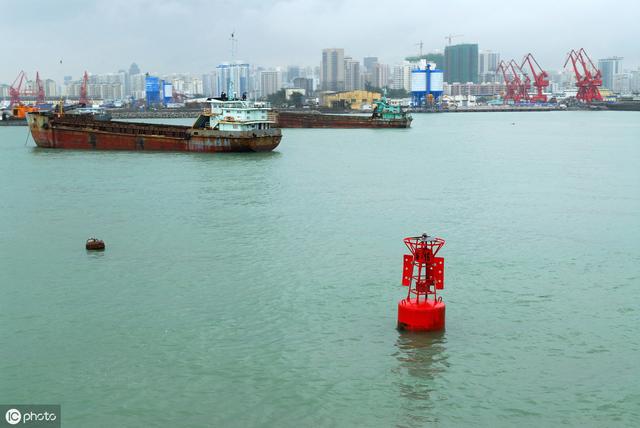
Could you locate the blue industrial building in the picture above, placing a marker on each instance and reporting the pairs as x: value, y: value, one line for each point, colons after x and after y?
x: 427, y: 85
x: 152, y: 89
x: 158, y: 92
x: 167, y: 92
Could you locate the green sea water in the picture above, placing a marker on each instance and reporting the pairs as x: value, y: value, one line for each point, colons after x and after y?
x: 245, y: 290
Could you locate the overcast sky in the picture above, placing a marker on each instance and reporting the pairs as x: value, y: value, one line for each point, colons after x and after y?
x: 167, y: 36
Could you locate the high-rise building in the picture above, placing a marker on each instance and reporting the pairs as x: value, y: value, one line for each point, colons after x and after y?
x: 352, y: 74
x: 380, y: 75
x: 209, y: 85
x: 332, y: 70
x: 369, y: 62
x: 293, y: 72
x: 138, y: 89
x: 270, y: 82
x: 401, y: 77
x: 185, y: 83
x: 304, y: 83
x: 635, y: 80
x: 487, y: 64
x: 622, y: 83
x: 232, y: 78
x: 609, y: 67
x: 461, y: 63
x: 134, y: 69
x: 50, y: 88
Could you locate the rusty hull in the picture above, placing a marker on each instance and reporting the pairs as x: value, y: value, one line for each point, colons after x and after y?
x: 289, y: 119
x: 84, y: 132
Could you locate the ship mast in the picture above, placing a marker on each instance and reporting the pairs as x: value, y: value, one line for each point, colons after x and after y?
x: 234, y: 45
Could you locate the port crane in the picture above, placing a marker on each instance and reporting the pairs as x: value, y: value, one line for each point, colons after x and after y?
x: 16, y: 87
x: 517, y: 89
x: 84, y: 99
x: 503, y: 68
x: 522, y: 82
x: 589, y: 79
x: 540, y: 78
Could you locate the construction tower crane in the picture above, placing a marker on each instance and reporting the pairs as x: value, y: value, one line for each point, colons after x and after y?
x: 589, y: 79
x: 84, y: 99
x: 39, y: 89
x: 452, y: 36
x: 16, y: 87
x: 540, y: 78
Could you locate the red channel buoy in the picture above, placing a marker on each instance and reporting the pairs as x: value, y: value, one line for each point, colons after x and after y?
x: 423, y: 273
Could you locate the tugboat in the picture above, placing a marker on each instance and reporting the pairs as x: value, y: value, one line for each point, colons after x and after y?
x: 17, y: 116
x: 227, y: 126
x: 384, y: 116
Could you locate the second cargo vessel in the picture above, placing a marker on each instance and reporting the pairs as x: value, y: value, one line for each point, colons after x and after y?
x: 384, y: 116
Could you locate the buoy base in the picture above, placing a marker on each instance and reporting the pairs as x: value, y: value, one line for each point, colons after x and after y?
x: 426, y: 315
x: 94, y: 244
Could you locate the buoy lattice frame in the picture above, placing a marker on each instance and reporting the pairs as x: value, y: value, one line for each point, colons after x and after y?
x: 423, y: 272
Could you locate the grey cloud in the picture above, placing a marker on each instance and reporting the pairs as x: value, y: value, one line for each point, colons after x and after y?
x: 192, y: 36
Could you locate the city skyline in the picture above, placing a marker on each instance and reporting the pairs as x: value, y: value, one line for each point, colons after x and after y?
x: 171, y: 37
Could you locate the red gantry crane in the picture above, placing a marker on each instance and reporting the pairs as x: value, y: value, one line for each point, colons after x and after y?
x: 540, y: 78
x: 16, y: 87
x: 510, y: 90
x: 588, y: 77
x: 517, y: 88
x: 521, y: 82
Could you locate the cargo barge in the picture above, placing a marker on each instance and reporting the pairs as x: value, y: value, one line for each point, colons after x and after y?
x: 228, y: 126
x: 13, y: 122
x: 383, y: 116
x: 631, y: 105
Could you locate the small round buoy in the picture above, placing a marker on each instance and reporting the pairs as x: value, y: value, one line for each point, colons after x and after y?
x: 94, y: 244
x: 423, y: 315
